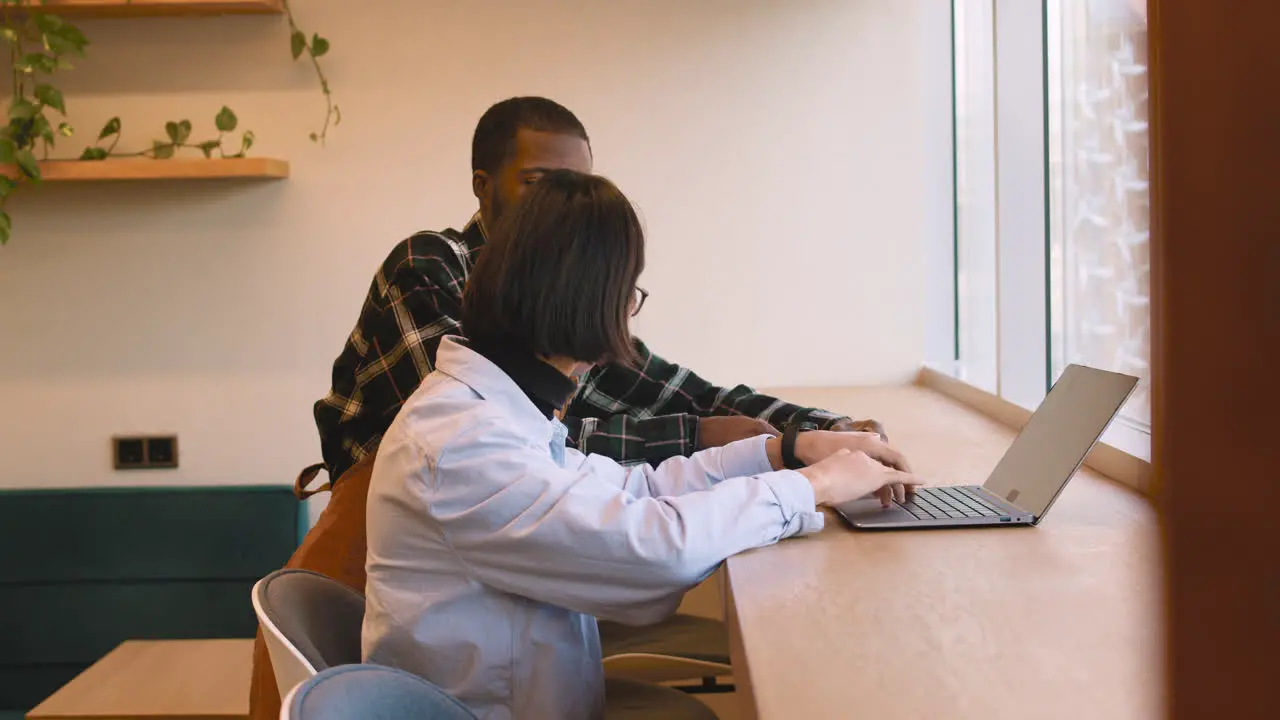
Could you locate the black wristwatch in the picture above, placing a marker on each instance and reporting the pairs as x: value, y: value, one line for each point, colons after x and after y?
x: 789, y: 459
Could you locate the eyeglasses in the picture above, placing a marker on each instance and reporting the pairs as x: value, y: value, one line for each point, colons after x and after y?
x: 641, y: 296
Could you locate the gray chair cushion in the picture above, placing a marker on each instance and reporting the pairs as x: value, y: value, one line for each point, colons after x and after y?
x: 320, y: 616
x: 684, y: 636
x: 370, y: 692
x: 631, y: 700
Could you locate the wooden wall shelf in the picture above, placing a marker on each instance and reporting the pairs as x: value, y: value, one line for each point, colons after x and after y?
x: 148, y: 169
x: 145, y: 8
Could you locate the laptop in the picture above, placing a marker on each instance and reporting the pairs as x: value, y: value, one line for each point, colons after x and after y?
x: 1046, y: 454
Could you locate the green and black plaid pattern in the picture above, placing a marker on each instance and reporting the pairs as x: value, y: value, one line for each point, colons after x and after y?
x: 646, y: 413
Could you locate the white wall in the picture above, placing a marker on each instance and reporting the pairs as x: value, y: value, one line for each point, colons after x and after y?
x: 789, y: 158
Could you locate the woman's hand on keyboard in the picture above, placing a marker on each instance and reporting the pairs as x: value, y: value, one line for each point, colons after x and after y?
x: 846, y: 475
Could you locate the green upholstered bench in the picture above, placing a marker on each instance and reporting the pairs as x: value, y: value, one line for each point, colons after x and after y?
x: 83, y: 570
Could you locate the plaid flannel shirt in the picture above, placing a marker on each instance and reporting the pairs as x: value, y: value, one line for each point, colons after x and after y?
x: 646, y: 413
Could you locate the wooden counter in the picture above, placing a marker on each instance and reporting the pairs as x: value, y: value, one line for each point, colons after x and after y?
x: 1057, y: 621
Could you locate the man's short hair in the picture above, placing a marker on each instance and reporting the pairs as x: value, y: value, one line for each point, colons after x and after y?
x: 495, y: 134
x: 557, y: 277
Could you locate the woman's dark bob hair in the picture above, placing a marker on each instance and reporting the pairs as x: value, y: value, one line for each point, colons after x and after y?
x: 558, y: 274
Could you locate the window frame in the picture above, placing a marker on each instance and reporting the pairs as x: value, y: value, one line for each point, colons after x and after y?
x: 1012, y: 358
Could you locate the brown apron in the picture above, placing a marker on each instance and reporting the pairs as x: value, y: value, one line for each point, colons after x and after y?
x: 334, y: 547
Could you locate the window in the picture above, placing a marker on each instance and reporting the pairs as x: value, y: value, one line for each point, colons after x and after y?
x: 1051, y: 260
x: 1100, y: 209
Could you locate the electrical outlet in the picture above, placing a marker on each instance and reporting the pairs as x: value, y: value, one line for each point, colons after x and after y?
x: 130, y: 453
x: 145, y: 453
x: 162, y: 452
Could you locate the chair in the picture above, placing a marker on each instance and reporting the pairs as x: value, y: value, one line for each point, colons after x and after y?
x: 682, y: 647
x: 372, y: 692
x: 632, y: 700
x: 310, y: 623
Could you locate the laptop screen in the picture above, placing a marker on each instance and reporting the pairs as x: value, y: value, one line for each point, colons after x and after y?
x: 1056, y: 439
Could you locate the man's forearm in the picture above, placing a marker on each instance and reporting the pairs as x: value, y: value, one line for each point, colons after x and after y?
x: 743, y: 400
x: 630, y: 440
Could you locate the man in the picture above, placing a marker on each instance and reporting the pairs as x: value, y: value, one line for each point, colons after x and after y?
x: 646, y: 413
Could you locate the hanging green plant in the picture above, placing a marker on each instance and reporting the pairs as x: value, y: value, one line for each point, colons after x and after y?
x: 42, y: 44
x: 314, y: 48
x: 179, y: 138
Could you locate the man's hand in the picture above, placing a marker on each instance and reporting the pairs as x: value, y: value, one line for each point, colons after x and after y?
x: 816, y: 446
x: 718, y: 431
x: 867, y: 426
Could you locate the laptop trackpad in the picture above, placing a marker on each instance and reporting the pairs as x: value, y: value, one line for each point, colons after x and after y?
x: 869, y: 511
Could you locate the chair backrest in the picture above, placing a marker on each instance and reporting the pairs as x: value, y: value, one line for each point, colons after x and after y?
x: 310, y: 623
x: 370, y: 692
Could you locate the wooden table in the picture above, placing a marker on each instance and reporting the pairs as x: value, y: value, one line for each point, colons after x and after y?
x: 159, y: 680
x: 1058, y: 621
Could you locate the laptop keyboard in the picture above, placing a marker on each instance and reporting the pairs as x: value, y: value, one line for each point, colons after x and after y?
x: 944, y: 503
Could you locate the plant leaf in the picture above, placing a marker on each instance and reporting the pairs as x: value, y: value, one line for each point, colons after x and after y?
x: 94, y: 153
x: 41, y: 128
x: 208, y: 146
x: 7, y: 186
x: 65, y: 130
x: 27, y: 163
x: 161, y: 150
x: 59, y: 46
x: 178, y: 132
x: 37, y: 62
x: 226, y: 120
x: 319, y: 46
x: 22, y: 109
x: 315, y: 137
x: 51, y: 96
x: 337, y: 115
x: 246, y: 141
x: 46, y: 23
x: 69, y: 37
x: 297, y: 43
x: 111, y: 128
x: 8, y: 151
x: 6, y: 227
x: 9, y: 34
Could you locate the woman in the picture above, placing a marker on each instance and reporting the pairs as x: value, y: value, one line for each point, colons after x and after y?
x: 493, y: 548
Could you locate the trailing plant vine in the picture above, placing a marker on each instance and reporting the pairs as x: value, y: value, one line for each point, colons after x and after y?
x: 42, y: 44
x: 179, y: 135
x: 315, y: 48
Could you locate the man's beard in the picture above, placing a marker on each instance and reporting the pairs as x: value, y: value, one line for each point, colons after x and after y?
x: 496, y: 207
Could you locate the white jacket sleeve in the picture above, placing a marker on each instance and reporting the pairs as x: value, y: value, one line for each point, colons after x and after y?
x: 597, y: 539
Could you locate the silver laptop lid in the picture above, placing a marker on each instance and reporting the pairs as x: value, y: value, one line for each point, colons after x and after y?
x: 1058, y: 437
